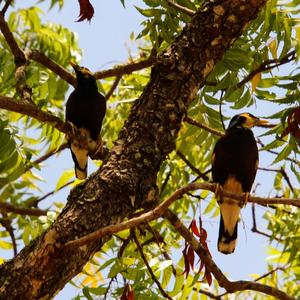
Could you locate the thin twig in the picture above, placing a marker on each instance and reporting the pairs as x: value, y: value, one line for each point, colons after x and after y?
x: 108, y: 287
x: 183, y: 9
x: 125, y: 69
x: 34, y: 203
x: 163, y: 292
x: 161, y: 208
x: 164, y: 184
x: 191, y: 166
x: 113, y: 87
x: 159, y: 238
x: 220, y: 109
x: 267, y: 65
x: 203, y: 126
x: 270, y: 273
x: 45, y: 156
x: 209, y: 294
x: 256, y: 230
x: 282, y: 172
x: 230, y: 286
x: 276, y: 153
x: 7, y: 207
x: 6, y: 223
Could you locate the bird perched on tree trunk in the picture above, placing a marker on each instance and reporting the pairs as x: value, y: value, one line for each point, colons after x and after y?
x: 234, y: 166
x: 85, y: 110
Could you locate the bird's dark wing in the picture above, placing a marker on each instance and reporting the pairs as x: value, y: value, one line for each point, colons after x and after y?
x: 236, y: 155
x: 86, y: 110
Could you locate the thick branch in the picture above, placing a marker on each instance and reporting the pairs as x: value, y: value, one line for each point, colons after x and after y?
x: 20, y: 58
x: 6, y: 6
x: 31, y: 110
x: 52, y: 65
x: 230, y: 286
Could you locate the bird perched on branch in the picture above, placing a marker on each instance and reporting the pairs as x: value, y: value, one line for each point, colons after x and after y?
x: 85, y: 110
x: 234, y: 166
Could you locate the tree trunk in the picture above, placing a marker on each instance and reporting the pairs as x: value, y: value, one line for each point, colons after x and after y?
x: 127, y: 180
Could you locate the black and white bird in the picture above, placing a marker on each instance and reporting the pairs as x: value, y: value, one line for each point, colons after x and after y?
x: 85, y: 109
x: 234, y: 166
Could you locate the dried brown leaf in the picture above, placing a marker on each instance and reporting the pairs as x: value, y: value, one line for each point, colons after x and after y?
x: 86, y: 10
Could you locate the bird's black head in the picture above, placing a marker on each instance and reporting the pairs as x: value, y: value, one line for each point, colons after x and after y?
x: 84, y: 76
x: 245, y: 120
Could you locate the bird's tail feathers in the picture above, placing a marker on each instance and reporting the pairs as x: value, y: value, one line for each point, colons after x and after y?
x: 80, y: 158
x: 80, y: 173
x: 228, y: 229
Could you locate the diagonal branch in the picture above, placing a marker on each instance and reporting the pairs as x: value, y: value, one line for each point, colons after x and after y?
x: 159, y: 210
x: 282, y: 172
x: 183, y: 9
x: 42, y: 59
x: 6, y: 6
x: 256, y: 230
x: 203, y: 126
x: 20, y: 58
x: 6, y: 223
x: 230, y: 286
x: 267, y: 65
x: 126, y: 69
x: 163, y: 292
x: 113, y: 87
x: 191, y: 166
x: 45, y: 157
x: 31, y: 110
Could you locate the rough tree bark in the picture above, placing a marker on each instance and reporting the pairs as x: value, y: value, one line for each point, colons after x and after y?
x: 127, y: 180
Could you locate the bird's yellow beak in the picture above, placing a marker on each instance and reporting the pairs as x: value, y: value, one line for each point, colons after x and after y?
x: 261, y: 122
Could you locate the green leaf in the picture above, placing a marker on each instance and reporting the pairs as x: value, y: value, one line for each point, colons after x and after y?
x: 64, y: 178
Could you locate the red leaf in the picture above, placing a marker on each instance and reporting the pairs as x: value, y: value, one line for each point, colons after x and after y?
x: 208, y: 276
x: 293, y: 124
x: 191, y: 257
x: 127, y: 293
x: 201, y: 266
x: 186, y: 260
x: 86, y: 10
x: 203, y: 237
x: 194, y: 228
